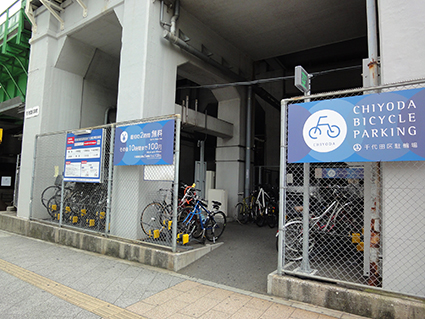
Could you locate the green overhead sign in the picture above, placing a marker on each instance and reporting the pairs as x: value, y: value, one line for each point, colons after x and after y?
x: 302, y: 79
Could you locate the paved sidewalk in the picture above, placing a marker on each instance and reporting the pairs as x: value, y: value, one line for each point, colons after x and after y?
x: 44, y: 280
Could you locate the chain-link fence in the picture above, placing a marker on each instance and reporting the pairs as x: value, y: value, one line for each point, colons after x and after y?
x: 128, y: 195
x: 359, y: 222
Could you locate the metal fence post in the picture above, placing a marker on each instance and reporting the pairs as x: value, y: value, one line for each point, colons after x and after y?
x: 176, y: 182
x: 110, y: 169
x: 282, y: 188
x: 305, y: 264
x: 61, y: 205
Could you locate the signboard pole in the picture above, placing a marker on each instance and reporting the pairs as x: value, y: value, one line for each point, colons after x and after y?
x: 305, y: 263
x: 176, y: 183
x: 282, y: 190
x: 110, y: 169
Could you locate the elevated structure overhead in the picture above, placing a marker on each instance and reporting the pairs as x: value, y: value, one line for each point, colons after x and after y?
x: 100, y: 58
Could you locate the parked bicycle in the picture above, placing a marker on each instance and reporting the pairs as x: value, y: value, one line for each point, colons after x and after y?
x: 84, y: 204
x: 199, y: 222
x: 158, y: 214
x: 245, y: 208
x: 335, y: 218
x: 265, y: 211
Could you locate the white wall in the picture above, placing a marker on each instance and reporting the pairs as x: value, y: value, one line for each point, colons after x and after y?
x: 402, y: 40
x: 402, y: 46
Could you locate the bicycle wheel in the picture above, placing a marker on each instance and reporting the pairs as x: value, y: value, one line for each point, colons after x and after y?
x: 48, y: 193
x: 53, y: 206
x: 260, y: 218
x: 151, y: 218
x: 242, y: 213
x: 190, y: 226
x: 294, y: 241
x: 215, y: 226
x: 272, y: 216
x: 333, y: 131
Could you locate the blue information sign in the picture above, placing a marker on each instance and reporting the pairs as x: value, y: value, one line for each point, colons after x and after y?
x: 377, y: 127
x: 145, y: 144
x: 83, y: 158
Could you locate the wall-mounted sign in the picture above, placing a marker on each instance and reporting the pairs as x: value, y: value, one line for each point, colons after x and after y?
x: 32, y: 112
x: 339, y: 172
x: 377, y: 127
x: 145, y: 144
x: 83, y: 158
x: 6, y: 181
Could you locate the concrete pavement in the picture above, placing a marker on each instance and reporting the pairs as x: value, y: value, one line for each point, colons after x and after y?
x: 44, y: 280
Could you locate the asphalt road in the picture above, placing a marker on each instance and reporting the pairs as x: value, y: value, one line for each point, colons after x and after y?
x: 245, y: 259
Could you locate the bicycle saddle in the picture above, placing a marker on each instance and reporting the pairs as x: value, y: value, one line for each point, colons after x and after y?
x: 216, y: 204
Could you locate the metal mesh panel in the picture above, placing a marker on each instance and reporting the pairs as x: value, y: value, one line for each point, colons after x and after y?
x: 131, y: 202
x: 365, y: 220
x: 48, y: 165
x: 75, y: 204
x: 143, y: 199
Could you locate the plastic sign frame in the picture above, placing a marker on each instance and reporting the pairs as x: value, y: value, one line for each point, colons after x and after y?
x: 84, y: 156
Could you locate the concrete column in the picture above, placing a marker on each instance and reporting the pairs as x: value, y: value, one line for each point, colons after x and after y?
x: 230, y: 153
x: 147, y: 82
x: 57, y: 93
x: 148, y: 64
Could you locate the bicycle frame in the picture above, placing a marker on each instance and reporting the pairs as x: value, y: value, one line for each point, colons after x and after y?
x: 336, y: 208
x: 262, y: 194
x: 196, y: 211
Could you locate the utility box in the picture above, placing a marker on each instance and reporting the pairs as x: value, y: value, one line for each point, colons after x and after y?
x: 219, y: 195
x: 209, y: 182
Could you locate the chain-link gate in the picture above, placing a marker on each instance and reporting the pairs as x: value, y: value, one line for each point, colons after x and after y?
x: 134, y: 202
x: 355, y: 222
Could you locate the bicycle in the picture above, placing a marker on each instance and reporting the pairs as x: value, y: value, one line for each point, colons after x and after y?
x: 261, y: 208
x: 199, y: 222
x: 244, y: 209
x: 334, y: 219
x: 332, y: 130
x: 157, y: 215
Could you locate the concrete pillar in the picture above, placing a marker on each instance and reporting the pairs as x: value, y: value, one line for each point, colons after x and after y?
x: 148, y: 65
x: 230, y: 153
x: 147, y: 82
x: 56, y: 92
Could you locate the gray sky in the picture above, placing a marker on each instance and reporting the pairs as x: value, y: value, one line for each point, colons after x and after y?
x: 4, y: 4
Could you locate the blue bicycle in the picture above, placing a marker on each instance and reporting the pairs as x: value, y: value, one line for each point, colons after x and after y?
x: 332, y: 130
x: 199, y: 222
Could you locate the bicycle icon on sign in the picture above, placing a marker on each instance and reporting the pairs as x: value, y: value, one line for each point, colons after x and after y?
x: 332, y: 130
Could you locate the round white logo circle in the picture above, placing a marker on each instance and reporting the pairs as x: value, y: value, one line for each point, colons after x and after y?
x: 124, y: 137
x: 324, y: 131
x: 357, y: 147
x: 331, y: 173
